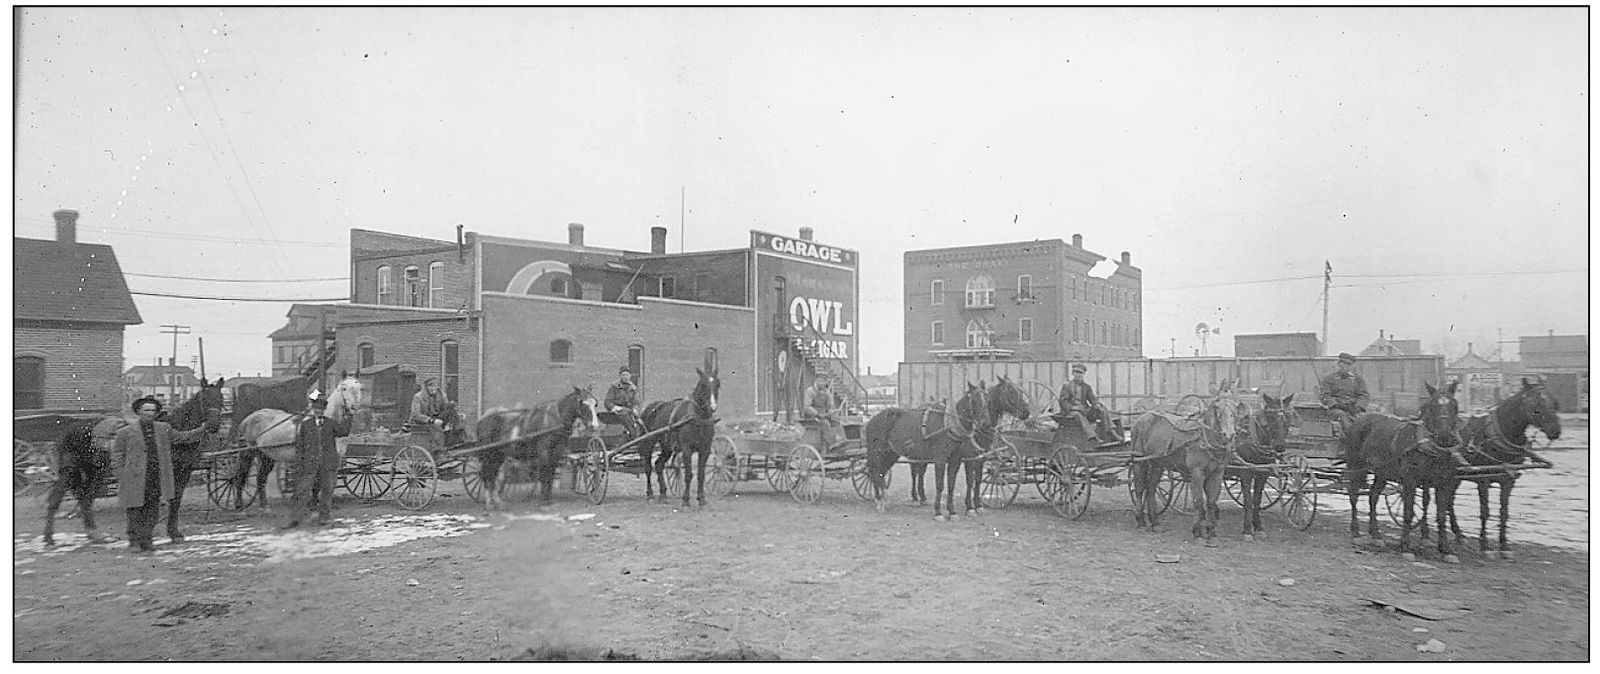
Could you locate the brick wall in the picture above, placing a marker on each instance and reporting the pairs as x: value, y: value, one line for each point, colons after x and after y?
x: 370, y: 250
x: 83, y: 363
x: 412, y: 340
x: 518, y: 332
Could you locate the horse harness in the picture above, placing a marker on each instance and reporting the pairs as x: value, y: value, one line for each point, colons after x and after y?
x: 952, y: 424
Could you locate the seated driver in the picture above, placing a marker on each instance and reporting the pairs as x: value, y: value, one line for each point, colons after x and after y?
x: 1077, y: 402
x: 430, y: 407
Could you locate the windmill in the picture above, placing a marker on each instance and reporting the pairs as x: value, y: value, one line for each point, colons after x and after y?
x: 1203, y: 331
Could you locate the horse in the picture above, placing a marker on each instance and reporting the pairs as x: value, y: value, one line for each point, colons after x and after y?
x: 534, y: 434
x: 1412, y: 452
x: 693, y: 423
x: 935, y: 433
x: 269, y: 435
x: 84, y: 455
x: 1198, y: 447
x: 1499, y: 439
x: 1005, y: 398
x: 1263, y: 442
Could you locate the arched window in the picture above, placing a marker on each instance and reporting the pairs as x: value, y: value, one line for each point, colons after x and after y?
x: 435, y: 283
x: 366, y: 355
x: 384, y: 287
x: 636, y: 363
x: 977, y: 335
x: 980, y: 292
x: 558, y: 286
x: 561, y: 351
x: 413, y: 286
x: 27, y: 383
x: 450, y: 368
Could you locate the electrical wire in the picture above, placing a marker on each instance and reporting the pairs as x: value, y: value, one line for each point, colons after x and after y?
x: 240, y: 280
x: 240, y: 299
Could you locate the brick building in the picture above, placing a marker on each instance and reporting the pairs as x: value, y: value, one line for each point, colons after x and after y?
x: 70, y: 305
x: 1031, y: 300
x: 501, y: 321
x: 1280, y: 344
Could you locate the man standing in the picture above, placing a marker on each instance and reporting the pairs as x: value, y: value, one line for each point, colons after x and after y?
x: 430, y: 407
x: 1077, y: 402
x: 316, y: 455
x: 818, y: 408
x: 1344, y: 391
x: 142, y: 453
x: 622, y: 400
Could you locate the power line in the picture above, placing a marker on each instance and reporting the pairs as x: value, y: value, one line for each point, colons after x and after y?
x: 240, y: 280
x: 241, y: 299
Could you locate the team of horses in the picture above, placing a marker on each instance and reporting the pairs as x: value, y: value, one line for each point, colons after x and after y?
x: 1424, y: 454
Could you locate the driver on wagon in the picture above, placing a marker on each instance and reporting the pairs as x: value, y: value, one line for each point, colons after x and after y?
x: 1078, y: 404
x: 622, y: 400
x: 430, y: 407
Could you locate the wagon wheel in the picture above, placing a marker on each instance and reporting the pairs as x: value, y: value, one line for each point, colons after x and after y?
x: 1040, y: 396
x: 366, y: 478
x: 1174, y: 491
x: 1393, y: 504
x: 1191, y: 402
x: 1234, y: 485
x: 33, y: 465
x: 778, y: 474
x: 1002, y: 476
x: 415, y: 477
x: 672, y: 478
x: 1299, y: 493
x: 806, y: 473
x: 1070, y: 483
x: 472, y: 477
x: 593, y: 470
x: 516, y: 481
x: 221, y: 487
x: 722, y: 467
x: 1271, y: 493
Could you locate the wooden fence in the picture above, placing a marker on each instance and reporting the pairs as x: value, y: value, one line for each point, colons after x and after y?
x: 1394, y: 383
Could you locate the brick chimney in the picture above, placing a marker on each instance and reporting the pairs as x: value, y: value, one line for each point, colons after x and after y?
x: 805, y: 233
x: 1077, y: 240
x: 1127, y: 259
x: 658, y: 240
x: 66, y: 226
x: 575, y: 234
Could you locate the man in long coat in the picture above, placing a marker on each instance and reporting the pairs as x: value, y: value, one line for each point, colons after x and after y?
x: 142, y: 454
x: 316, y: 456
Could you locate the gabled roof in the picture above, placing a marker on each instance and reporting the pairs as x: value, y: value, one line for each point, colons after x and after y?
x: 1471, y: 361
x: 151, y: 375
x: 79, y: 282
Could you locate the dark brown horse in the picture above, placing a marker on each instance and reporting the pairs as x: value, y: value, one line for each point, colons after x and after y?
x: 936, y: 433
x: 693, y: 424
x: 1499, y: 438
x: 535, y: 435
x: 1005, y: 398
x: 1261, y: 443
x: 1415, y: 453
x: 187, y: 457
x: 1197, y: 447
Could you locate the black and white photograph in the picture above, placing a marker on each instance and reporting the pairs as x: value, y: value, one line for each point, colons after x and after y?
x: 904, y: 334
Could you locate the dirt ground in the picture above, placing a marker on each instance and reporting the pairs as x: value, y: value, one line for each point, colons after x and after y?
x: 759, y: 575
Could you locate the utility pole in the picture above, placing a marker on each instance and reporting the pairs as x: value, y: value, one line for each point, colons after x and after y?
x: 202, y: 360
x: 1174, y: 347
x: 174, y: 330
x: 1327, y: 282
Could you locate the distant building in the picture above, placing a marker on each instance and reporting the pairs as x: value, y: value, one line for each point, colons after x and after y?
x: 1281, y: 344
x: 70, y: 306
x: 1389, y: 346
x: 310, y: 329
x: 1562, y: 362
x: 161, y: 381
x: 1029, y: 300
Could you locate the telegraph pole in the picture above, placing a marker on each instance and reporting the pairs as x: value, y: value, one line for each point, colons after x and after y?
x: 174, y: 330
x: 1327, y: 282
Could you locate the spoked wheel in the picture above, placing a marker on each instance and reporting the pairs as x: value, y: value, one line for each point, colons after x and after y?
x: 594, y: 474
x: 1394, y: 504
x: 778, y: 474
x: 1271, y: 492
x: 1173, y: 490
x: 1002, y: 475
x: 806, y: 473
x: 1070, y: 483
x: 472, y: 477
x: 1299, y: 492
x: 722, y: 468
x: 366, y: 478
x: 672, y: 479
x: 1189, y: 405
x: 222, y: 488
x: 33, y: 466
x: 1234, y: 485
x: 414, y: 478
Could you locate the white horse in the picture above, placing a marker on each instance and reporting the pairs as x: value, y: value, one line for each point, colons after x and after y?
x: 271, y: 433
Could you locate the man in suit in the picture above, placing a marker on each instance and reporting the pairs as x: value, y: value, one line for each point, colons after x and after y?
x: 1078, y: 404
x: 1344, y: 392
x: 142, y: 453
x: 316, y: 456
x: 430, y: 407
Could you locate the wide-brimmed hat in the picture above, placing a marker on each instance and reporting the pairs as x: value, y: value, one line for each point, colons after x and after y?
x: 1347, y: 357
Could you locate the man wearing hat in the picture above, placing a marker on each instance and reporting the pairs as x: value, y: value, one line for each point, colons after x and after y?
x: 1344, y: 391
x: 316, y: 456
x: 142, y: 455
x: 817, y: 406
x: 430, y: 407
x: 1077, y: 402
x: 622, y: 402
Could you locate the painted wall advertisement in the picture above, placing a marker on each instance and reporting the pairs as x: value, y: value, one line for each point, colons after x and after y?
x: 805, y: 291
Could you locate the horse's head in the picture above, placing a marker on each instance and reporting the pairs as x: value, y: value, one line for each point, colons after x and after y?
x: 1007, y: 398
x: 1537, y: 407
x: 1222, y: 415
x: 1271, y: 427
x: 705, y: 393
x: 579, y: 406
x: 345, y: 400
x: 1441, y: 415
x: 973, y: 408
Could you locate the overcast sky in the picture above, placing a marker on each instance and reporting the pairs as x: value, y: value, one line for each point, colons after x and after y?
x: 1436, y: 157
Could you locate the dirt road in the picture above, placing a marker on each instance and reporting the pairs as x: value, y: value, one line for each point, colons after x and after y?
x: 759, y: 574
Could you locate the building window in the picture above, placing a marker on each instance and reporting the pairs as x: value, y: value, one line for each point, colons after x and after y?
x: 936, y: 292
x: 577, y: 289
x: 1135, y: 338
x: 558, y: 286
x: 1025, y: 330
x: 27, y: 383
x: 1074, y: 328
x: 384, y: 289
x: 669, y: 287
x: 980, y: 292
x: 1135, y: 297
x: 1103, y: 333
x: 977, y: 336
x: 366, y: 355
x: 938, y: 332
x: 450, y: 368
x: 636, y: 363
x: 711, y: 359
x: 435, y: 284
x: 561, y: 351
x: 413, y: 286
x: 1025, y: 287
